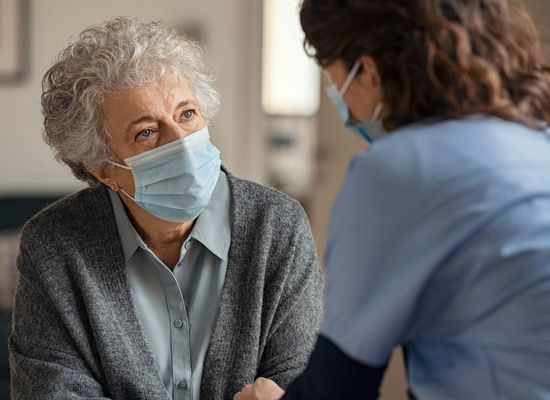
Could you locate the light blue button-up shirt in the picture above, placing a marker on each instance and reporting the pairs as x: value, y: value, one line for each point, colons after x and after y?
x: 177, y: 309
x: 440, y: 240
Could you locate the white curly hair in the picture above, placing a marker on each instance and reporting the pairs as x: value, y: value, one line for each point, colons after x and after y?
x: 118, y: 54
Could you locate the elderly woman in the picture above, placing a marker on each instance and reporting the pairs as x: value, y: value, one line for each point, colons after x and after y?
x: 168, y: 278
x: 440, y: 237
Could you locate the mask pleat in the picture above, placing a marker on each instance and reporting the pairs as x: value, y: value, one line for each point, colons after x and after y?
x: 176, y: 182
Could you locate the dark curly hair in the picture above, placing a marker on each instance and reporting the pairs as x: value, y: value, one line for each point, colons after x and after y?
x: 438, y: 58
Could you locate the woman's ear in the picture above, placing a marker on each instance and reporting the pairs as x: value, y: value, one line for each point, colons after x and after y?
x: 371, y: 83
x: 103, y: 176
x: 368, y: 74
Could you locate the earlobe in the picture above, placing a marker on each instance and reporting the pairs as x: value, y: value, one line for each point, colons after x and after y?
x: 102, y: 176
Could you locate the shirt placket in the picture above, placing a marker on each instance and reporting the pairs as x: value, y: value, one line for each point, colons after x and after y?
x: 179, y: 336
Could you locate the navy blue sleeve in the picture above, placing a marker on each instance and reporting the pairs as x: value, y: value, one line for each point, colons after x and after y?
x: 331, y: 375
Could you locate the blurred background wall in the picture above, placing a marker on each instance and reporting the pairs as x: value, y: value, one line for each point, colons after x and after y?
x: 300, y: 148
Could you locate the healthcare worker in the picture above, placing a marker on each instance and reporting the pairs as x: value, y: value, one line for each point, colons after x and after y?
x: 440, y: 236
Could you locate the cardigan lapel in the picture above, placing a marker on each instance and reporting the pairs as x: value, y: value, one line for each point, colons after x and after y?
x: 126, y: 356
x: 222, y: 373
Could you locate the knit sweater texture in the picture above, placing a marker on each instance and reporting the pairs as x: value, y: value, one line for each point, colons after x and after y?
x: 75, y: 330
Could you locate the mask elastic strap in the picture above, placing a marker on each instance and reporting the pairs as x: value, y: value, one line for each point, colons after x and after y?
x: 377, y: 111
x: 127, y: 195
x: 125, y: 167
x: 350, y: 77
x: 119, y: 165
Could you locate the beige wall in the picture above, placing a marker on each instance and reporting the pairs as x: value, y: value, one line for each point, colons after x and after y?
x: 230, y: 30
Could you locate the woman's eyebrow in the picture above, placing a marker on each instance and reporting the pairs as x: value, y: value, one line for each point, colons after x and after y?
x: 144, y: 118
x: 137, y: 121
x: 186, y: 102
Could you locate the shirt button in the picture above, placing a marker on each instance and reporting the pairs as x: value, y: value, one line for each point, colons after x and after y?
x: 178, y: 323
x: 182, y: 385
x: 187, y: 245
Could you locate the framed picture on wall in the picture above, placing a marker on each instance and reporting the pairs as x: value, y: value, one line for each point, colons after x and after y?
x: 14, y: 26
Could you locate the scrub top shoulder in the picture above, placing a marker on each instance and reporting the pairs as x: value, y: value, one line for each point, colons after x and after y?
x: 440, y: 241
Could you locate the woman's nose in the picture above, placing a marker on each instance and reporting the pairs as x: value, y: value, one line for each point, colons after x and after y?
x: 173, y: 131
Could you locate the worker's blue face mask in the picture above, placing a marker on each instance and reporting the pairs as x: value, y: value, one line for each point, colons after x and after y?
x: 174, y: 182
x: 369, y: 130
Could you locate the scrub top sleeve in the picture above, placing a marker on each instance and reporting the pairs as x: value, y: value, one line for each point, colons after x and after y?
x: 376, y: 262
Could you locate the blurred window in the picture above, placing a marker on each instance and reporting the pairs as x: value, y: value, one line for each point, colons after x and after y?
x: 290, y: 79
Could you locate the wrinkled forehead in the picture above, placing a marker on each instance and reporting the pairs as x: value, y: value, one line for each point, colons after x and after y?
x: 167, y: 88
x: 159, y: 99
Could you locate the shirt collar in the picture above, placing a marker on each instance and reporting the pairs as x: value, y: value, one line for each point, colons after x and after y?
x: 129, y: 238
x: 212, y: 228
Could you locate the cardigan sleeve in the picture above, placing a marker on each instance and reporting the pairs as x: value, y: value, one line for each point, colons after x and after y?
x: 43, y: 357
x: 298, y: 315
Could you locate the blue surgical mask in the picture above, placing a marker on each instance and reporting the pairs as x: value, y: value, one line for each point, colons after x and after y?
x: 174, y: 182
x: 370, y: 130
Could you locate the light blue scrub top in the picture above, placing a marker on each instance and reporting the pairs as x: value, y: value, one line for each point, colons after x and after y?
x: 440, y: 241
x: 177, y: 309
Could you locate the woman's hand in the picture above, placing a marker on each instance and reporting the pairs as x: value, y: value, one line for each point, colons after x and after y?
x: 261, y: 389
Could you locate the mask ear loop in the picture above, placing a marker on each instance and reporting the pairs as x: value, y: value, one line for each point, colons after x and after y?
x: 127, y: 195
x: 379, y: 107
x: 124, y: 167
x: 119, y: 165
x: 377, y: 111
x: 350, y: 77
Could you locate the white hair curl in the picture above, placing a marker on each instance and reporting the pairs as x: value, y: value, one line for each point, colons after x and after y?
x: 118, y: 54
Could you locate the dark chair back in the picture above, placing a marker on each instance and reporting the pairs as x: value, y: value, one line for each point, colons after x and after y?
x: 5, y: 321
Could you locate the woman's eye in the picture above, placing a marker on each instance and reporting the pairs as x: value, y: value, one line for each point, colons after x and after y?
x: 188, y: 114
x: 144, y: 134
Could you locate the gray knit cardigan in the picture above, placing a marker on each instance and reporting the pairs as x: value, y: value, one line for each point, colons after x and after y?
x: 75, y: 330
